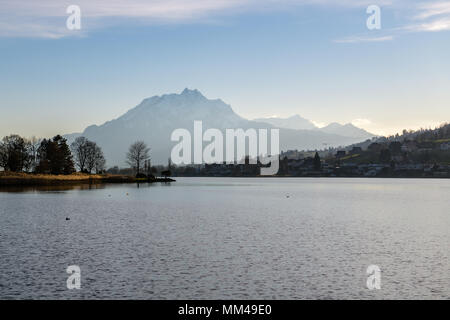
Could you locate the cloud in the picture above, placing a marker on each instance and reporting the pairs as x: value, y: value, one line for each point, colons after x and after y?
x: 35, y: 30
x: 364, y: 39
x: 172, y: 9
x: 433, y: 9
x: 46, y: 18
x: 433, y: 16
x: 319, y: 124
x: 433, y: 26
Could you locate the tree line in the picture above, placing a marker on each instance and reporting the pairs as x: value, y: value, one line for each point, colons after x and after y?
x: 50, y: 156
x: 54, y: 156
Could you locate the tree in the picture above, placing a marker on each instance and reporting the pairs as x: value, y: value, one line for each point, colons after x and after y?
x: 385, y: 156
x: 64, y: 159
x: 166, y: 173
x: 14, y: 153
x: 100, y: 165
x: 43, y: 155
x: 80, y: 150
x: 395, y: 147
x: 148, y: 167
x: 33, y: 146
x: 317, y: 162
x: 137, y: 154
x: 95, y: 161
x: 91, y: 150
x: 88, y: 155
x: 55, y: 157
x: 3, y: 156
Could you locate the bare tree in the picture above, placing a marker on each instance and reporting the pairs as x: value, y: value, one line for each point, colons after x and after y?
x: 14, y: 153
x: 95, y: 159
x: 33, y: 146
x: 137, y: 154
x: 91, y: 155
x: 3, y: 155
x: 100, y: 162
x: 80, y: 149
x: 88, y: 155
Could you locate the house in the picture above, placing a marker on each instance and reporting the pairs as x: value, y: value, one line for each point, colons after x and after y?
x: 445, y: 146
x: 409, y: 146
x: 340, y: 154
x: 370, y: 173
x: 375, y: 147
x: 395, y: 147
x: 356, y: 150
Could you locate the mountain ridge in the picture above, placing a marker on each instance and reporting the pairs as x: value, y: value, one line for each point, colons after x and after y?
x: 347, y: 129
x: 299, y: 123
x: 155, y: 118
x: 295, y: 122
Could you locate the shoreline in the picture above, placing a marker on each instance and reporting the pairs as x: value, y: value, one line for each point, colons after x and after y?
x: 10, y: 179
x: 322, y: 177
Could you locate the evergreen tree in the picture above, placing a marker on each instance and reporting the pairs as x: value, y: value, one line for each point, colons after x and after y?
x: 317, y: 162
x: 55, y: 156
x: 385, y: 156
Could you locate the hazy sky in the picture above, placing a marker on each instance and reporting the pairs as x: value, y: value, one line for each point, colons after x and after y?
x: 315, y: 58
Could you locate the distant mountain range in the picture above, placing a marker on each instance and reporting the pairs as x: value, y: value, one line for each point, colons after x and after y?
x: 296, y: 122
x: 155, y: 118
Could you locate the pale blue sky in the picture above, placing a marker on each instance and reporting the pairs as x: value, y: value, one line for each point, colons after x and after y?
x: 315, y: 58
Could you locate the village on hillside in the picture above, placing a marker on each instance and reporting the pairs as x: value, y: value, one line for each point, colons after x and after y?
x: 420, y: 154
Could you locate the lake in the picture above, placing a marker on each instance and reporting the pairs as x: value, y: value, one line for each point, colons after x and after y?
x: 228, y: 238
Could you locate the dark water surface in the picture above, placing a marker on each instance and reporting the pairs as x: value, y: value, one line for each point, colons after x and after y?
x: 229, y: 238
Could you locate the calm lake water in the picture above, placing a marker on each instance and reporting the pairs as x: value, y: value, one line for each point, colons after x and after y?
x: 229, y: 238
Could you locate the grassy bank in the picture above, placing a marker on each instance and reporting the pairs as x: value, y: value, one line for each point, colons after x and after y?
x: 27, y: 179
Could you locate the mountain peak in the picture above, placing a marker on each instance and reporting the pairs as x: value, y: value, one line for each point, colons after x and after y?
x: 295, y: 122
x: 189, y: 92
x: 155, y: 119
x: 348, y: 130
x: 333, y: 125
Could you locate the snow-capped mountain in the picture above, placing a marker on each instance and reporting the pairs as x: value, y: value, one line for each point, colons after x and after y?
x: 299, y: 123
x: 347, y: 130
x: 155, y: 118
x: 295, y: 122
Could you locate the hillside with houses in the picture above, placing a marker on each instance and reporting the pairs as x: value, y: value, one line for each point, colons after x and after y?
x: 421, y: 154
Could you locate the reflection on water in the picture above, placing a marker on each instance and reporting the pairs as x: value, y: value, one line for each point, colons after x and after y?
x: 75, y: 186
x: 54, y: 188
x: 228, y: 238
